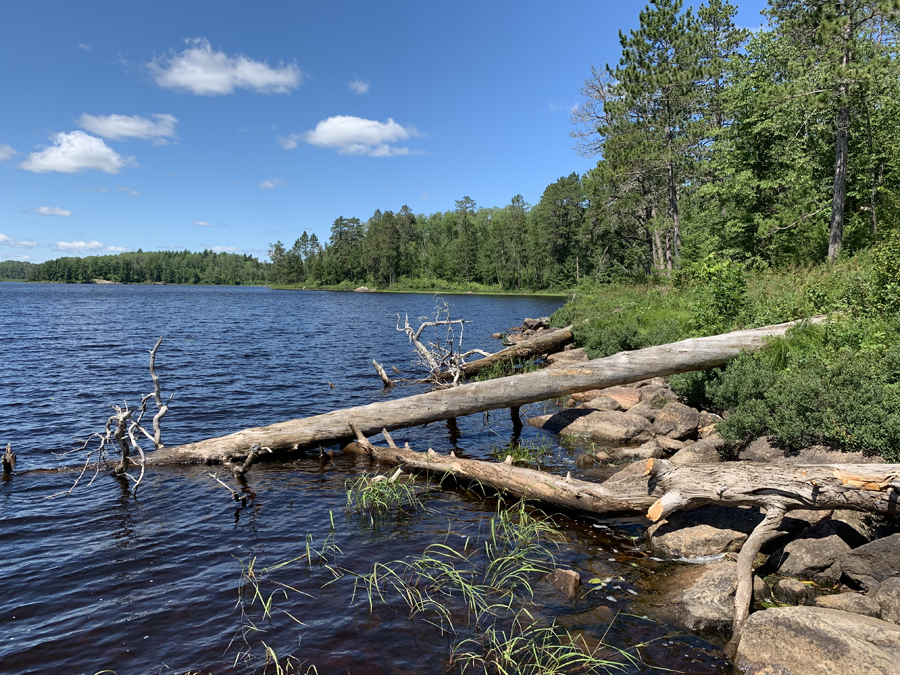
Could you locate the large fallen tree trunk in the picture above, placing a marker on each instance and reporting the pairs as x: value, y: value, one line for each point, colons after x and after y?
x: 664, y: 487
x: 506, y: 392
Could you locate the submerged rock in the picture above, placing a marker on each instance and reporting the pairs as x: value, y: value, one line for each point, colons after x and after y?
x: 567, y: 582
x: 816, y: 640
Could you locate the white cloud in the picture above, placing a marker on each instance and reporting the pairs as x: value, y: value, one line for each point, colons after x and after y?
x: 202, y: 223
x: 226, y: 249
x: 359, y: 86
x: 15, y: 243
x: 76, y: 151
x: 85, y: 47
x: 357, y: 136
x: 51, y: 211
x: 556, y: 107
x: 118, y: 127
x: 272, y: 182
x: 204, y: 72
x: 78, y: 246
x: 9, y: 256
x: 6, y: 152
x: 289, y: 142
x: 117, y: 249
x: 127, y: 191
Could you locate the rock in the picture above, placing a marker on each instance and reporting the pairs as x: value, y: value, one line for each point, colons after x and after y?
x: 582, y: 396
x: 708, y: 418
x: 872, y: 563
x: 850, y: 602
x: 677, y: 421
x: 670, y: 446
x: 627, y: 471
x: 646, y: 410
x: 497, y: 336
x: 861, y: 522
x: 700, y: 532
x: 709, y: 603
x: 627, y: 397
x: 792, y: 592
x: 601, y: 403
x: 567, y: 582
x: 815, y: 553
x: 705, y: 451
x: 585, y: 461
x: 534, y: 324
x: 887, y: 595
x: 819, y: 454
x: 572, y: 356
x: 363, y: 289
x: 761, y: 450
x: 599, y: 426
x: 657, y: 396
x: 648, y: 450
x: 817, y: 641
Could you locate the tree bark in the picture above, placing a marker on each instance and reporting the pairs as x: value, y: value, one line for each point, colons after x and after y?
x: 546, y: 343
x: 506, y: 392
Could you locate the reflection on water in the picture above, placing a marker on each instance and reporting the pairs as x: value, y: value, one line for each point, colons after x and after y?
x: 102, y: 579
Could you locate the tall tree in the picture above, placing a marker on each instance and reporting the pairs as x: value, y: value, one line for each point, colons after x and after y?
x: 832, y: 33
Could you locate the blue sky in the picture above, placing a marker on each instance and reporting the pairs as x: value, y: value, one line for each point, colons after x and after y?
x: 230, y: 125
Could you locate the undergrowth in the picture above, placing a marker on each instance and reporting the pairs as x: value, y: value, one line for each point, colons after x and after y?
x: 523, y: 452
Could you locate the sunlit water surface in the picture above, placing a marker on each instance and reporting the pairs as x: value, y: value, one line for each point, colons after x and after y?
x: 101, y: 579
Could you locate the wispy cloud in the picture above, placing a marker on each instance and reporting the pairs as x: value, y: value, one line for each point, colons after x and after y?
x: 359, y: 86
x: 74, y: 152
x: 289, y: 142
x: 557, y: 107
x: 202, y: 223
x: 203, y: 71
x: 119, y: 127
x: 51, y: 211
x: 11, y: 256
x: 85, y: 47
x: 271, y: 183
x: 127, y: 191
x: 226, y: 249
x: 7, y: 152
x: 357, y: 136
x: 117, y: 249
x: 78, y: 246
x: 17, y: 243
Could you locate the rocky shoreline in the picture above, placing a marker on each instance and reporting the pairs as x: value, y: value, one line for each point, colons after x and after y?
x: 826, y: 592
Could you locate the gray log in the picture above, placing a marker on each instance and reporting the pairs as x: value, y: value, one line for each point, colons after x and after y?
x: 506, y: 392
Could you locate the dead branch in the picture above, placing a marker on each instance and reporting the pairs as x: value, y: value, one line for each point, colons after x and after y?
x: 255, y: 452
x: 443, y: 355
x: 9, y: 460
x: 242, y: 499
x: 382, y: 374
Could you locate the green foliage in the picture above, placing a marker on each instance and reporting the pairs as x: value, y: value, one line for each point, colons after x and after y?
x: 505, y: 369
x: 378, y: 494
x: 523, y: 452
x: 720, y: 293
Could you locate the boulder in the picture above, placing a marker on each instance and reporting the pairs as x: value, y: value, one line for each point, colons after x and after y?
x: 792, y: 592
x: 657, y: 396
x: 648, y: 450
x: 815, y: 553
x: 850, y: 602
x: 627, y: 397
x: 534, y: 324
x: 705, y: 451
x: 872, y: 563
x: 582, y: 396
x: 598, y: 426
x: 646, y: 410
x: 571, y: 356
x: 817, y: 641
x: 887, y: 595
x: 363, y: 289
x: 761, y: 450
x: 677, y: 421
x: 567, y: 582
x: 601, y: 403
x: 819, y: 454
x: 709, y: 603
x: 701, y: 532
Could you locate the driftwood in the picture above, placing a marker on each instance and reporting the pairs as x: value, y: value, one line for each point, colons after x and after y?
x: 506, y: 392
x: 663, y: 488
x: 547, y: 343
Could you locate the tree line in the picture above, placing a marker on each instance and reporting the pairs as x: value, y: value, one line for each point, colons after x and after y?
x: 170, y: 267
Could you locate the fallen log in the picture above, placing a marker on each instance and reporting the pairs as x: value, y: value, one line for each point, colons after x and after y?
x: 546, y: 343
x: 475, y: 397
x: 664, y: 487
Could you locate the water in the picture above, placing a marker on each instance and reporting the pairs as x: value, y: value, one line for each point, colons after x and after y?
x: 103, y: 580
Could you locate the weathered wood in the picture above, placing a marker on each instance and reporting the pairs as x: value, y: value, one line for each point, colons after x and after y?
x: 383, y: 375
x: 506, y: 392
x: 546, y: 343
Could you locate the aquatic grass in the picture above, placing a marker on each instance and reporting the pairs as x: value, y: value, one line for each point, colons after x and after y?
x: 530, y: 649
x: 377, y: 495
x: 506, y: 368
x: 524, y: 452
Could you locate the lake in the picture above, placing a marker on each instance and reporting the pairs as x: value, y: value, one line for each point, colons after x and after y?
x: 101, y: 579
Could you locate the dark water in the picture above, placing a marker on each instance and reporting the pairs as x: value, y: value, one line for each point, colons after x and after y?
x: 103, y: 580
